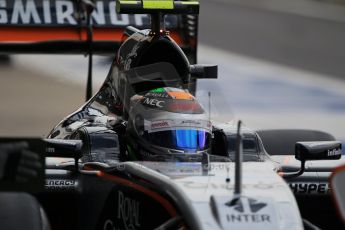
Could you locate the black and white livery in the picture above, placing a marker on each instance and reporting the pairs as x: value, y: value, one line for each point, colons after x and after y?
x: 146, y: 154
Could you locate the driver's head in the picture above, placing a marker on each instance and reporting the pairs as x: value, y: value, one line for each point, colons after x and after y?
x: 167, y: 121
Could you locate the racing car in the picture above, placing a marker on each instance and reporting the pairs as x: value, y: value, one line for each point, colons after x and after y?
x: 146, y: 155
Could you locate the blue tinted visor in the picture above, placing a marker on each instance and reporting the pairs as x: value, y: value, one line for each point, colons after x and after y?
x: 190, y: 139
x: 181, y: 139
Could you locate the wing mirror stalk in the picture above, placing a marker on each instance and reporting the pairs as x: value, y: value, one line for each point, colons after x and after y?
x: 320, y: 150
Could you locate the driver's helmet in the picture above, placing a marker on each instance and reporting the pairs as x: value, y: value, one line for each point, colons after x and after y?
x: 166, y: 121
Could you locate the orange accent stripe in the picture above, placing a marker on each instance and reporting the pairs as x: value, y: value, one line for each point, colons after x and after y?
x: 39, y: 34
x: 181, y: 95
x: 164, y: 202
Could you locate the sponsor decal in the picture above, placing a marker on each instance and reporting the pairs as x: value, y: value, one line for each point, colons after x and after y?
x: 334, y: 152
x: 128, y: 211
x: 159, y: 124
x: 244, y: 211
x: 153, y: 102
x: 50, y: 150
x: 310, y: 188
x: 191, y: 122
x: 63, y: 12
x: 60, y: 184
x: 162, y: 125
x: 157, y: 94
x: 248, y: 211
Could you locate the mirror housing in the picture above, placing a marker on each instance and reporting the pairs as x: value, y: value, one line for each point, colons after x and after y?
x: 319, y: 150
x: 314, y: 150
x: 64, y: 148
x: 199, y: 71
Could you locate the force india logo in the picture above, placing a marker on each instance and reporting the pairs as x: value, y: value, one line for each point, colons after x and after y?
x: 62, y: 12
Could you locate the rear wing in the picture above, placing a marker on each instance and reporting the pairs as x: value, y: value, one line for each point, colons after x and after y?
x: 60, y: 26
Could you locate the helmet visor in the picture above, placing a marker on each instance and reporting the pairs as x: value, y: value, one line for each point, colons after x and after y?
x: 188, y: 140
